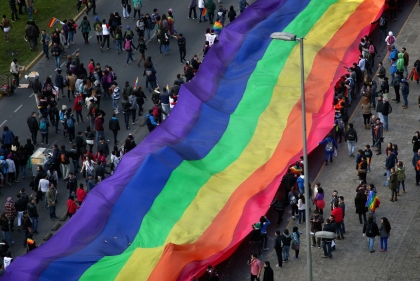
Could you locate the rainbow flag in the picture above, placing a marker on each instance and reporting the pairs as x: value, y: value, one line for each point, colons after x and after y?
x: 215, y: 178
x: 53, y: 21
x: 372, y: 201
x: 204, y: 13
x: 217, y: 27
x: 136, y: 83
x: 167, y: 88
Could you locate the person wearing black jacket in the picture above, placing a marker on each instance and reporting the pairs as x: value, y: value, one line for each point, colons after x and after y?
x: 386, y: 109
x: 256, y: 238
x: 33, y: 126
x: 326, y: 242
x: 126, y: 107
x: 316, y: 225
x: 140, y: 97
x: 20, y: 206
x: 278, y: 247
x: 268, y: 272
x: 370, y: 230
x: 351, y: 139
x: 182, y: 47
x: 33, y: 214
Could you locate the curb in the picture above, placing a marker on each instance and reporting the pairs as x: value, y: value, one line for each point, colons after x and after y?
x: 35, y: 60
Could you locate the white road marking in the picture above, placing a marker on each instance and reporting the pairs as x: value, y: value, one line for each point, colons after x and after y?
x: 3, y: 123
x: 31, y: 95
x: 75, y: 52
x: 18, y: 108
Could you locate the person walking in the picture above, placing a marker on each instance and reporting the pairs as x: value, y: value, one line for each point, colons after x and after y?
x: 43, y: 126
x: 85, y: 27
x: 351, y: 139
x: 142, y: 48
x: 105, y: 34
x: 211, y: 7
x: 129, y: 48
x: 330, y: 144
x: 51, y: 196
x: 256, y: 239
x: 370, y: 230
x: 278, y: 247
x: 6, y: 26
x: 201, y: 8
x: 192, y: 8
x: 264, y: 222
x: 301, y: 208
x: 26, y: 227
x: 45, y: 41
x: 14, y: 70
x: 287, y: 240
x: 92, y: 6
x: 182, y: 47
x: 33, y: 215
x: 114, y: 126
x: 384, y: 233
x: 56, y: 53
x: 133, y: 101
x: 126, y: 107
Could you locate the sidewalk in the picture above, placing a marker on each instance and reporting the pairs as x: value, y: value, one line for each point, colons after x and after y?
x: 352, y: 260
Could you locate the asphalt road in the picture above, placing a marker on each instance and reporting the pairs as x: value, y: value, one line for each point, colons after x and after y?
x: 15, y: 109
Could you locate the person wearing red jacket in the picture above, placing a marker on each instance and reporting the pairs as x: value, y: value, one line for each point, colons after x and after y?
x: 78, y: 106
x: 71, y: 206
x: 337, y: 212
x: 81, y: 193
x: 99, y: 127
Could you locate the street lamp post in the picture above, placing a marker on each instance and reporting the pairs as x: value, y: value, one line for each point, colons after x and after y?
x: 284, y: 36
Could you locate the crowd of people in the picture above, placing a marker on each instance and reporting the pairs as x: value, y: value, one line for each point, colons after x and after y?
x: 88, y: 159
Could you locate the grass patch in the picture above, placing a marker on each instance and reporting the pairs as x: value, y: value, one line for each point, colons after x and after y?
x: 18, y: 47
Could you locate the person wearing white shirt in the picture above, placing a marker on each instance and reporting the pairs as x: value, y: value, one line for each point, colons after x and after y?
x: 301, y: 207
x: 201, y: 8
x: 105, y: 34
x: 362, y: 63
x: 43, y: 187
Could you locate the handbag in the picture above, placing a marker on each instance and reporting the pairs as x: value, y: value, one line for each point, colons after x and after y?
x: 89, y: 141
x: 138, y: 6
x: 295, y: 247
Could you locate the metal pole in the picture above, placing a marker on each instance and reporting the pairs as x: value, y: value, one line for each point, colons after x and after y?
x: 305, y: 163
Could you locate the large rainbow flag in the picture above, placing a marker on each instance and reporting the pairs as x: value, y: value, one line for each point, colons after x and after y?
x: 186, y: 196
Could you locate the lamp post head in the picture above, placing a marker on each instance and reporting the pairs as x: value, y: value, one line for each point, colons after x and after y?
x: 285, y: 36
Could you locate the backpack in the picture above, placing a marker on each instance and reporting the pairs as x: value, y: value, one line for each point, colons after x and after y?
x: 129, y: 32
x: 81, y: 88
x: 329, y: 146
x: 66, y: 82
x: 350, y: 135
x: 80, y: 102
x: 382, y: 22
x: 391, y: 40
x: 62, y: 116
x: 400, y: 65
x: 64, y: 158
x: 98, y: 27
x: 127, y: 45
x: 85, y: 25
x: 108, y: 79
x: 293, y: 200
x: 281, y: 242
x: 369, y: 229
x: 371, y: 49
x: 43, y: 125
x: 155, y: 112
x: 70, y: 122
x: 148, y: 122
x: 93, y: 111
